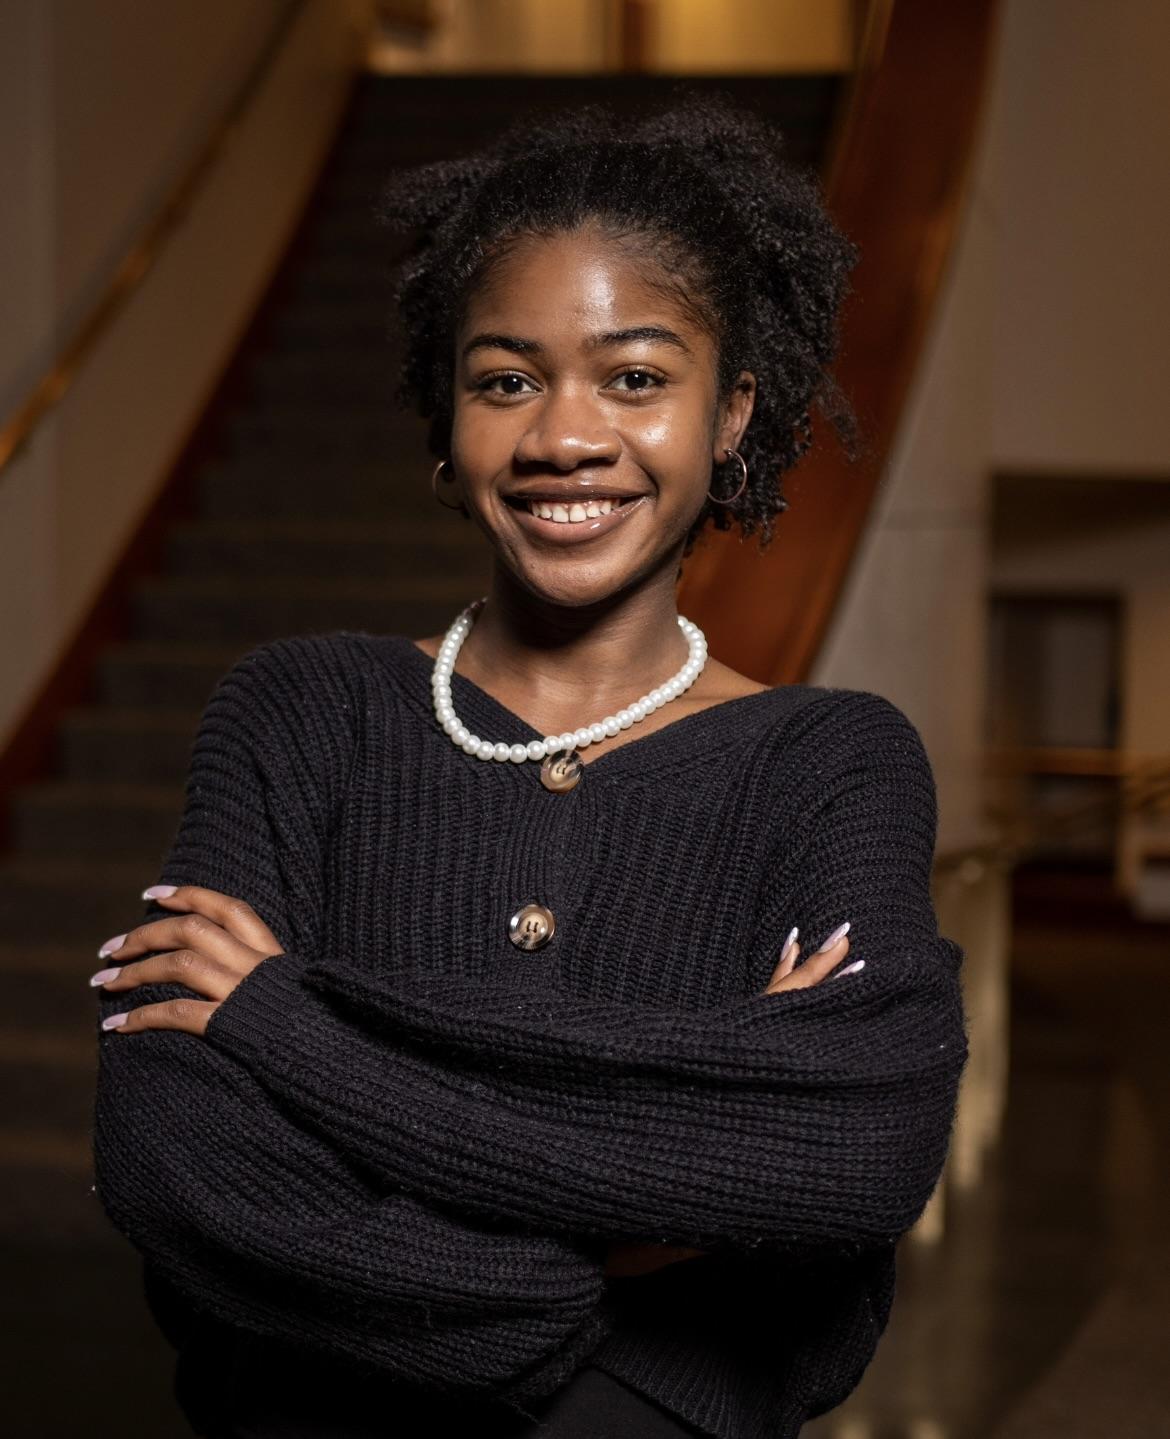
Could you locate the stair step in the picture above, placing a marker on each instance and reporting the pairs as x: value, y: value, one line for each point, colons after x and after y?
x: 144, y: 747
x: 48, y: 998
x: 311, y: 320
x: 358, y: 374
x: 47, y: 1195
x: 356, y: 432
x: 284, y: 483
x: 63, y: 900
x: 255, y: 611
x: 347, y: 277
x: 133, y: 820
x: 41, y: 1092
x: 141, y: 675
x: 332, y: 548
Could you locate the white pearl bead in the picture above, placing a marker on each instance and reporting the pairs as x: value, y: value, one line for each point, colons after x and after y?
x: 444, y: 668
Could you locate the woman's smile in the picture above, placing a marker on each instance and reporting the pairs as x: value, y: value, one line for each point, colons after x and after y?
x: 572, y: 521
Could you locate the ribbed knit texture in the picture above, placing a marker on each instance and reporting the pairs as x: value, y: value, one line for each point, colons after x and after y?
x: 404, y: 1144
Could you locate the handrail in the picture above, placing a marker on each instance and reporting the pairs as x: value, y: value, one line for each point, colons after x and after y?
x: 1145, y: 786
x: 48, y: 391
x: 1144, y: 789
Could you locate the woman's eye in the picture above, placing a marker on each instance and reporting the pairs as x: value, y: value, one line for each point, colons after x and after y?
x: 647, y: 380
x: 490, y: 382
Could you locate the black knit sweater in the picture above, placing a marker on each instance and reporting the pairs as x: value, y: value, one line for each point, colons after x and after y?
x: 404, y: 1145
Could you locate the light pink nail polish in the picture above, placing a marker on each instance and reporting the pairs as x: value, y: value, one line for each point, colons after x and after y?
x: 114, y: 1021
x: 159, y: 891
x: 111, y: 945
x: 849, y: 969
x: 788, y: 943
x: 841, y: 930
x: 102, y: 975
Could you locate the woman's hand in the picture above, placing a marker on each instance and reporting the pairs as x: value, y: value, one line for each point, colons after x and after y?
x: 211, y: 947
x: 816, y: 967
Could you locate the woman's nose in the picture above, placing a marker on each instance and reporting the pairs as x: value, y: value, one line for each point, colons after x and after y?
x: 566, y: 429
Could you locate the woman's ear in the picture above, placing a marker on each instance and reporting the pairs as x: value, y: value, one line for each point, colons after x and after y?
x: 734, y: 415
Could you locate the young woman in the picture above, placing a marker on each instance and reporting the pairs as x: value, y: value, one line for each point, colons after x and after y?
x: 463, y: 1068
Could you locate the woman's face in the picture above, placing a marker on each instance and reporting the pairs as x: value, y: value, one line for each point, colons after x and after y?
x: 580, y: 387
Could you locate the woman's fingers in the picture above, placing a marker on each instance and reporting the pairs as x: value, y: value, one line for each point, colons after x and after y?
x: 234, y: 915
x: 189, y: 967
x: 209, y: 948
x: 188, y: 1014
x: 178, y: 931
x: 815, y: 968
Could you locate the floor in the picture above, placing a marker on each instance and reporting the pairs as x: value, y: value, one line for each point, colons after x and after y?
x: 1041, y: 1315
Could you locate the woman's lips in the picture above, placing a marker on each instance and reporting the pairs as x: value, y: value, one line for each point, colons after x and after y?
x: 574, y: 532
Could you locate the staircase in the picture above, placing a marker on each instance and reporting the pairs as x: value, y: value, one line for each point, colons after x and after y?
x: 313, y: 513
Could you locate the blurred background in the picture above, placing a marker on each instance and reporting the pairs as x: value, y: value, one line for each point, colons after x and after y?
x: 199, y: 451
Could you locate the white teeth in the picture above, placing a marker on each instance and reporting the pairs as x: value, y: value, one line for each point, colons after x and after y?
x: 571, y: 514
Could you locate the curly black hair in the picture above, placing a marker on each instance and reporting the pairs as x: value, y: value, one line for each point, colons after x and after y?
x: 701, y: 189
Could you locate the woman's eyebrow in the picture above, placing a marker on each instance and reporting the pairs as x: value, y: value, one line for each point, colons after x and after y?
x: 491, y: 340
x: 640, y: 332
x: 514, y: 343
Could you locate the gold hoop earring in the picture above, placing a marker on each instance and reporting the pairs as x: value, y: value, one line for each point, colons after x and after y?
x: 435, y: 491
x: 732, y: 455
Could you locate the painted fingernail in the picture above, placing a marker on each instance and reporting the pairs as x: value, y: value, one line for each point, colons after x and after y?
x: 114, y: 1021
x: 111, y: 945
x: 837, y: 934
x: 788, y: 943
x: 849, y: 969
x: 102, y: 975
x: 159, y: 891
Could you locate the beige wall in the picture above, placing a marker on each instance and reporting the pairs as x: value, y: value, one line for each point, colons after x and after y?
x: 112, y: 99
x: 1084, y: 302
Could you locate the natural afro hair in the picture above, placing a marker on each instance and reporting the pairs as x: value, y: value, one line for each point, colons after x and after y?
x: 702, y: 193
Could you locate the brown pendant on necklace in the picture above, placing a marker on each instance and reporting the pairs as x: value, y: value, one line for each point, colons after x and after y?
x: 561, y: 770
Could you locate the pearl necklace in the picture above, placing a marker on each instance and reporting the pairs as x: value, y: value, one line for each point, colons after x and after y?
x: 562, y: 764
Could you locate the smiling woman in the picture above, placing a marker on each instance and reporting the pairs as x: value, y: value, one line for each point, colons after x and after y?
x: 619, y: 332
x: 446, y: 1089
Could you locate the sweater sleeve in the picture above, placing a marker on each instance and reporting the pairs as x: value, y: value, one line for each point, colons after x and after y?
x: 807, y: 1122
x: 228, y: 1194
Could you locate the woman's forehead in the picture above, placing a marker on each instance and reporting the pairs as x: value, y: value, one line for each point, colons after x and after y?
x: 584, y: 284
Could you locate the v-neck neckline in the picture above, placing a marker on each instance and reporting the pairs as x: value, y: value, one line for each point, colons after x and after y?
x: 706, y: 730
